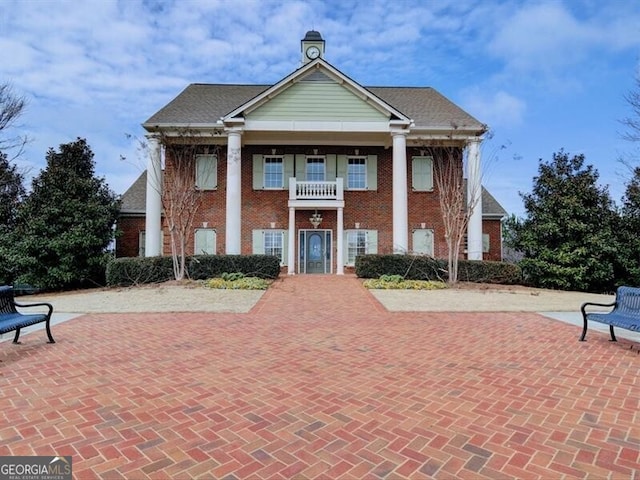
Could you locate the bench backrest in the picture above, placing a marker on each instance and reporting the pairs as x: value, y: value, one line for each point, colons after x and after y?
x: 628, y: 300
x: 6, y: 300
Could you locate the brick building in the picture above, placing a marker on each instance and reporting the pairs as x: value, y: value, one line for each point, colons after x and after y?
x: 316, y: 169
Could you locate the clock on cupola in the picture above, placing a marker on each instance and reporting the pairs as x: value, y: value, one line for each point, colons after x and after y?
x: 312, y: 46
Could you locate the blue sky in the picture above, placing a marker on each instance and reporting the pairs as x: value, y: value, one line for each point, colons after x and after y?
x: 543, y: 75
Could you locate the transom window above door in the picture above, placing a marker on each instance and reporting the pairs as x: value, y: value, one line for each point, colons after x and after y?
x: 315, y: 171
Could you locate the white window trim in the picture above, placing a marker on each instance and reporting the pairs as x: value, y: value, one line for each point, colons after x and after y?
x: 366, y: 176
x: 324, y: 167
x: 264, y: 171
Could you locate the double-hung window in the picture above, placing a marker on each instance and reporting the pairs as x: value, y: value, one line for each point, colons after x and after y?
x: 273, y: 172
x: 359, y: 242
x: 357, y: 173
x: 315, y: 169
x: 273, y: 243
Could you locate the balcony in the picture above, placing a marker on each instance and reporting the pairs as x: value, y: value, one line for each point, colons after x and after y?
x: 316, y: 194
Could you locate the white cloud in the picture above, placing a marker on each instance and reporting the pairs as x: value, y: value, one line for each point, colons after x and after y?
x: 499, y: 109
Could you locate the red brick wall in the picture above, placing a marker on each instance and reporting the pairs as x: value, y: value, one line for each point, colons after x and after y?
x: 372, y: 209
x: 129, y: 228
x: 494, y: 229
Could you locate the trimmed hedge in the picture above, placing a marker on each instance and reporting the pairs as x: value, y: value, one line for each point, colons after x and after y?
x: 409, y: 267
x: 139, y: 270
x: 418, y: 267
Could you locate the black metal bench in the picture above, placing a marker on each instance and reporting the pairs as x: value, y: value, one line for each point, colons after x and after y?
x: 11, y: 319
x: 625, y: 313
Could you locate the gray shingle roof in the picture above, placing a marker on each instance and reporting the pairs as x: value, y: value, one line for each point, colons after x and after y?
x: 206, y: 103
x: 134, y: 200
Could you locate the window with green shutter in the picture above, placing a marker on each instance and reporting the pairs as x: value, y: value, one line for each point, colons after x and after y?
x: 359, y: 242
x: 271, y: 242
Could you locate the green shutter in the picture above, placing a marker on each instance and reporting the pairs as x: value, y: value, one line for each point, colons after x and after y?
x: 258, y: 172
x: 345, y: 247
x: 372, y: 172
x: 301, y: 167
x: 285, y: 247
x: 258, y: 242
x: 330, y: 167
x: 341, y: 170
x: 287, y: 168
x: 372, y: 241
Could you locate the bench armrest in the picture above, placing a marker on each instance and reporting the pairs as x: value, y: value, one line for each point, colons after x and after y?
x: 43, y: 304
x: 593, y: 304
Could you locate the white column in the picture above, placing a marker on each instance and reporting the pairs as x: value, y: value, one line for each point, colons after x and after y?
x: 340, y: 242
x: 153, y: 215
x: 474, y: 196
x: 291, y: 255
x: 233, y: 226
x: 400, y: 199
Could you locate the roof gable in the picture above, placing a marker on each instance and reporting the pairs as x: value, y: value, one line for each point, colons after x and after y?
x: 311, y: 81
x: 317, y: 96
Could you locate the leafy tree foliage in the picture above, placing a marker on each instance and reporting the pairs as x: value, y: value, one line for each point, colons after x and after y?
x: 65, y: 224
x: 568, y: 237
x: 11, y: 193
x: 628, y: 271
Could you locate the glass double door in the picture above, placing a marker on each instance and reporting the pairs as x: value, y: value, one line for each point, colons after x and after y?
x: 315, y: 251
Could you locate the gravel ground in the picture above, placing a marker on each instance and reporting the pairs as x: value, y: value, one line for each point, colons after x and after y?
x: 193, y: 297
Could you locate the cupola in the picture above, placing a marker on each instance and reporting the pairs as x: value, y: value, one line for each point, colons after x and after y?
x: 312, y: 46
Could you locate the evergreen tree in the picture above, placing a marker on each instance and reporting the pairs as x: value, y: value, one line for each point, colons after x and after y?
x: 628, y: 271
x: 568, y: 237
x: 65, y: 224
x: 11, y: 193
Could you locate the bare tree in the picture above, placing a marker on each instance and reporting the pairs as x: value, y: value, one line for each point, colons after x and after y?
x: 633, y: 122
x: 456, y: 210
x: 11, y: 107
x: 181, y: 198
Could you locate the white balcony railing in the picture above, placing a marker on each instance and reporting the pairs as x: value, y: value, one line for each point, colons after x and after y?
x: 316, y: 190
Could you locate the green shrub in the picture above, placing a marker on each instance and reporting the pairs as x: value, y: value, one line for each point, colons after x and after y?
x: 413, y: 267
x: 484, y: 271
x: 201, y: 267
x: 140, y: 270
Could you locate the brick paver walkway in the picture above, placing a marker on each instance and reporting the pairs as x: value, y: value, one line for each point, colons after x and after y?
x: 319, y: 381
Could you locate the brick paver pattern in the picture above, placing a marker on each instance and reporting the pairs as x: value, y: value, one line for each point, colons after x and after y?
x: 320, y: 381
